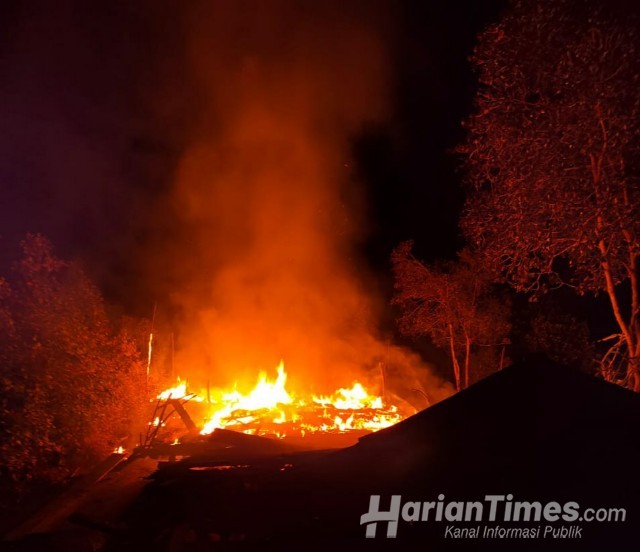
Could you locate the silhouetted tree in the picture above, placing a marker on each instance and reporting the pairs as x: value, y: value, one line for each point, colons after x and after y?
x: 71, y: 383
x: 552, y: 157
x: 552, y: 327
x: 455, y: 304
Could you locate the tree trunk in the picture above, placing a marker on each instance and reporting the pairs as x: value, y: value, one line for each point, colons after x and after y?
x: 454, y: 359
x: 634, y: 360
x: 629, y: 329
x: 467, y: 357
x: 631, y: 333
x: 502, y: 356
x: 634, y: 322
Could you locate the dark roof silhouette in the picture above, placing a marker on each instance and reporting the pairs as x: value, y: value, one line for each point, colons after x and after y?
x: 537, y: 407
x: 536, y: 430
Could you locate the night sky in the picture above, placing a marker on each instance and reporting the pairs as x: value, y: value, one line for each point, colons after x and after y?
x: 97, y: 107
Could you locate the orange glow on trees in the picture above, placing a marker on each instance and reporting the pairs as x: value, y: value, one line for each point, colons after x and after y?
x: 551, y: 156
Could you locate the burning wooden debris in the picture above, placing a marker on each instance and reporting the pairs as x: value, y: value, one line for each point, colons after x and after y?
x: 269, y: 409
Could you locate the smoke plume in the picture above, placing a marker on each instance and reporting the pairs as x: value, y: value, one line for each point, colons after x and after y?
x: 263, y: 263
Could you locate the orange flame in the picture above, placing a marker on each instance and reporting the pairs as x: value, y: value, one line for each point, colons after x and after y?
x: 177, y: 392
x: 270, y: 409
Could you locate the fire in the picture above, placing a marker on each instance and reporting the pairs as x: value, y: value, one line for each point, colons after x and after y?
x: 235, y: 408
x: 270, y: 409
x: 264, y: 395
x: 177, y: 392
x: 350, y: 399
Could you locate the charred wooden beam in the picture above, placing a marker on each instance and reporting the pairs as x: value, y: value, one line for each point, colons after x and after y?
x: 184, y: 415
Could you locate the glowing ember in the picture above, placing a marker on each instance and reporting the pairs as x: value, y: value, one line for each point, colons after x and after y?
x: 269, y: 409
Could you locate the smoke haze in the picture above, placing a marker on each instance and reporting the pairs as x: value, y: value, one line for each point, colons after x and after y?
x: 268, y: 211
